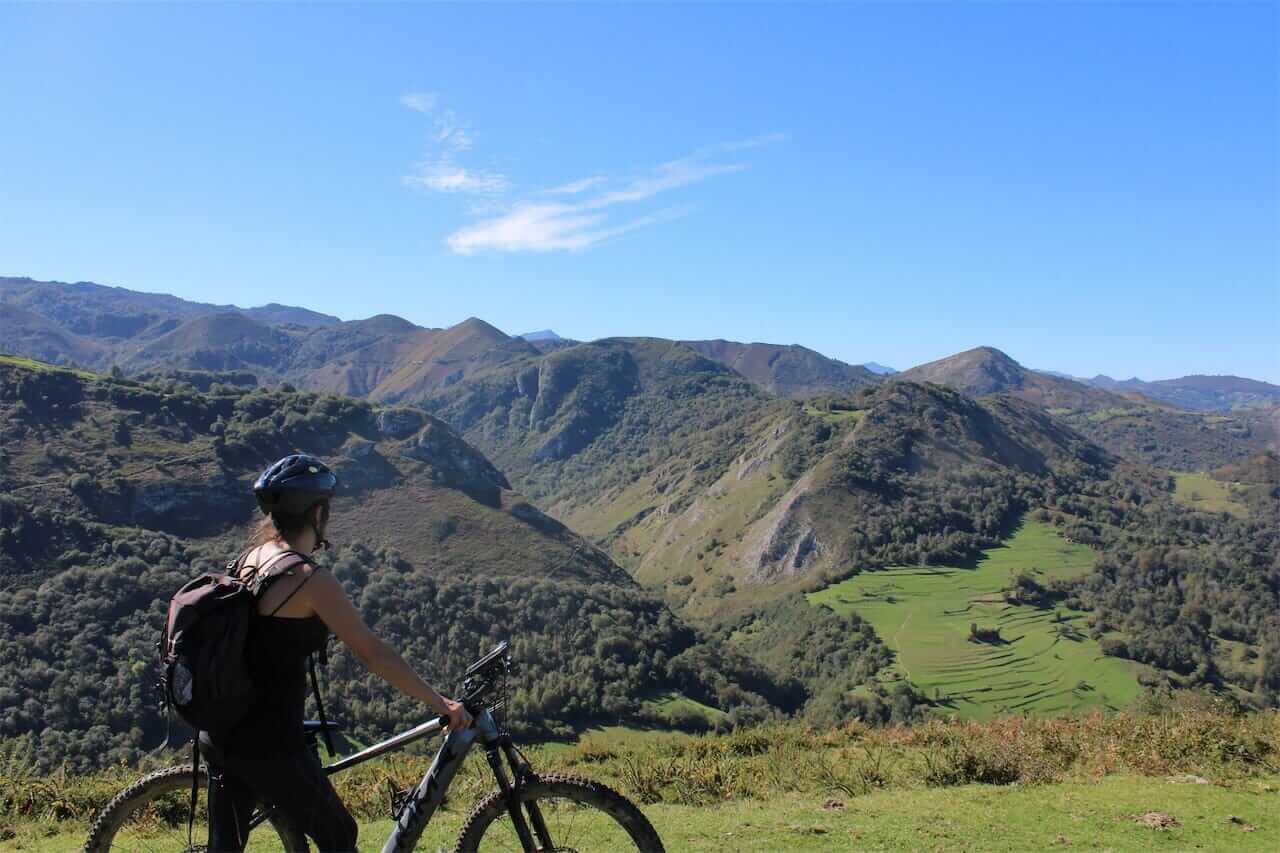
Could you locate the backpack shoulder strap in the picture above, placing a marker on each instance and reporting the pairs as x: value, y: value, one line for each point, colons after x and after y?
x: 294, y: 591
x: 280, y: 563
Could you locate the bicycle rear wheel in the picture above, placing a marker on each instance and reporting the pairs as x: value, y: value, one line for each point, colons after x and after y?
x: 151, y: 815
x: 577, y: 815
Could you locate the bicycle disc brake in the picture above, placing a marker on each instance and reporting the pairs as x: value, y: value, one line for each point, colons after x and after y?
x: 397, y: 798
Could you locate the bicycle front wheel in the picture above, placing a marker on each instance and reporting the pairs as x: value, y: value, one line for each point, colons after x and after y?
x: 565, y: 814
x: 151, y: 815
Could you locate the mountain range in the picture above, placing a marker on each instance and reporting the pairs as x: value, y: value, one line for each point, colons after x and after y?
x: 97, y: 326
x: 1191, y: 423
x: 617, y: 480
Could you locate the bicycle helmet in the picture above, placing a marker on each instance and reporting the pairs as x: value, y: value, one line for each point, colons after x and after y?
x: 294, y: 485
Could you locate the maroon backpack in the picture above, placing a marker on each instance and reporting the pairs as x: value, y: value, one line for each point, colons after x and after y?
x: 204, y: 667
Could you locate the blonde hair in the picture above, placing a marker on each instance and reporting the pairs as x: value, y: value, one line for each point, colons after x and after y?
x: 278, y: 525
x: 263, y: 532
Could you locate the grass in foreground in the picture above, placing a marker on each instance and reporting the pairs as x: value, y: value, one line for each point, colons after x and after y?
x: 1107, y: 815
x: 1045, y: 663
x: 1011, y: 784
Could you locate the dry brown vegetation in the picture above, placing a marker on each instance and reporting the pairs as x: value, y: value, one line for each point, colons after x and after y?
x: 1188, y: 739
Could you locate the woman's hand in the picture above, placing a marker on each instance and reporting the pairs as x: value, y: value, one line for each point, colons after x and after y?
x: 459, y: 716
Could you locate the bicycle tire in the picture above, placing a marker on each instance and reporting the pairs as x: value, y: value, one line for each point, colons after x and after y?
x: 150, y: 788
x: 574, y: 789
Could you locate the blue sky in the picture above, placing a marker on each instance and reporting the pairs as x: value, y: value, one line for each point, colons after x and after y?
x: 1092, y: 188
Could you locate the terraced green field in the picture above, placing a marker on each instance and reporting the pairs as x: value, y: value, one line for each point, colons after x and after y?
x: 1044, y: 662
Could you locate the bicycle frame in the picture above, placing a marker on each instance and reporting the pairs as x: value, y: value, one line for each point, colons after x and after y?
x: 417, y: 811
x: 421, y: 804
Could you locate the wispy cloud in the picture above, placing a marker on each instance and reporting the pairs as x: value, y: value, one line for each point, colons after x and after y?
x: 443, y: 175
x: 575, y: 187
x: 419, y: 102
x: 450, y: 132
x: 439, y: 171
x: 667, y: 176
x: 572, y: 216
x: 752, y: 142
x: 543, y: 226
x: 549, y: 228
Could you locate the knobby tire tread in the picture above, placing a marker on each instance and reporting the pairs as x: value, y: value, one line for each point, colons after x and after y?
x: 596, y: 794
x: 126, y: 802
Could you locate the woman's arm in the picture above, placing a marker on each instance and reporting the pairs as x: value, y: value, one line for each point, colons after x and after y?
x: 331, y: 604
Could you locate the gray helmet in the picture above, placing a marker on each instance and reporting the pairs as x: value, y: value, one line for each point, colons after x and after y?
x: 294, y: 485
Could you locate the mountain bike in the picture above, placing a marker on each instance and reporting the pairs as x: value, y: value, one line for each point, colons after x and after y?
x: 528, y: 812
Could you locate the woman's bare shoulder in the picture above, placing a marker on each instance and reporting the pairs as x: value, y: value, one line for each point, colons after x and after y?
x: 280, y: 590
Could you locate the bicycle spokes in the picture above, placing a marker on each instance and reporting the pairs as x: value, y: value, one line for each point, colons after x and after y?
x: 560, y: 825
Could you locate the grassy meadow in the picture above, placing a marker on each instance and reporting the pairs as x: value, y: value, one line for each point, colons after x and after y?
x: 834, y: 415
x: 1200, y: 491
x: 42, y: 366
x: 679, y: 711
x: 1176, y: 774
x: 1106, y: 815
x: 1044, y: 663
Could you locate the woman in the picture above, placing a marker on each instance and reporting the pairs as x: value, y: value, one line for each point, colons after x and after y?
x: 264, y: 757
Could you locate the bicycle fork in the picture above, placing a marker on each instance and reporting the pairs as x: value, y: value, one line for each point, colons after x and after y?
x: 494, y: 752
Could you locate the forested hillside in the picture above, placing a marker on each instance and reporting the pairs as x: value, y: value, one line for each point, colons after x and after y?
x: 1139, y: 428
x: 734, y: 503
x: 576, y: 423
x: 115, y: 492
x: 730, y: 482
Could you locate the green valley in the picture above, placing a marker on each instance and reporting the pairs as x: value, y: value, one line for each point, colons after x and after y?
x: 115, y: 492
x: 1039, y: 657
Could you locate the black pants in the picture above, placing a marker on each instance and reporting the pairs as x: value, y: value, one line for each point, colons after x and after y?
x: 296, y: 785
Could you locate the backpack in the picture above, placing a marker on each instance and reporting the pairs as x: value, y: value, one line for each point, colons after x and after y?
x: 204, y: 667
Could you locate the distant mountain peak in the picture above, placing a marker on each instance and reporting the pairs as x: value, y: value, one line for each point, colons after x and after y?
x: 992, y: 353
x: 987, y: 370
x: 388, y: 318
x: 476, y: 326
x: 273, y: 313
x: 1198, y: 392
x: 543, y: 335
x: 788, y: 370
x: 879, y: 369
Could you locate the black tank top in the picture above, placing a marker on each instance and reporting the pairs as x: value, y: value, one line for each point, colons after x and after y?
x: 278, y: 666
